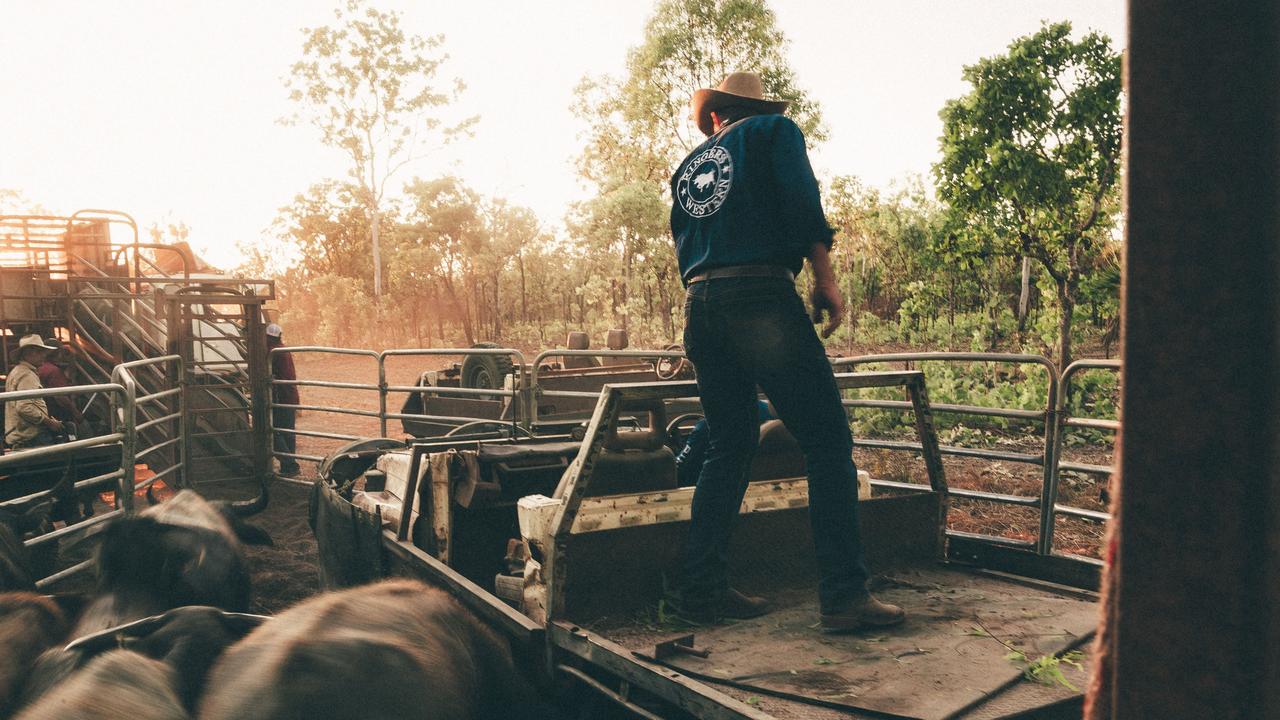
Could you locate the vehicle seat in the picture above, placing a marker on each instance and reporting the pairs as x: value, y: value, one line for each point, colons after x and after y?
x: 618, y: 340
x: 636, y: 461
x: 633, y: 471
x: 579, y: 341
x: 778, y: 456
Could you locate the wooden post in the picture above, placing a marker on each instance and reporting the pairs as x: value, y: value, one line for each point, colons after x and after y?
x: 1194, y: 601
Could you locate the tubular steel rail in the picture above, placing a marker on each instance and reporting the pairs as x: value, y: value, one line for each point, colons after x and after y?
x: 384, y: 390
x: 122, y: 403
x: 1056, y: 419
x: 527, y: 388
x: 129, y: 425
x: 171, y: 417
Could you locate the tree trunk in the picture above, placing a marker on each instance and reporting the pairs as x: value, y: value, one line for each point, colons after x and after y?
x: 497, y: 308
x: 376, y: 220
x: 1066, y: 303
x: 524, y: 299
x: 1024, y: 298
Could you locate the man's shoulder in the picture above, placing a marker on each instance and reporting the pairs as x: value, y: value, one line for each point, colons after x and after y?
x: 766, y: 125
x: 21, y: 376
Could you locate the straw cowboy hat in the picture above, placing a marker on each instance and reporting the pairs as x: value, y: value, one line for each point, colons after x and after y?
x: 742, y: 89
x: 34, y: 340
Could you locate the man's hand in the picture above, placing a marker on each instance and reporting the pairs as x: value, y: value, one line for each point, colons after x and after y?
x: 826, y: 298
x: 53, y: 424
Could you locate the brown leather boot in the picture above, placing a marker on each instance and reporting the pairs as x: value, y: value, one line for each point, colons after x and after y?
x: 737, y: 606
x: 863, y: 613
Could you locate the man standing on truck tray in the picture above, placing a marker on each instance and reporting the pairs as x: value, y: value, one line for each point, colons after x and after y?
x: 283, y: 418
x: 53, y: 374
x: 27, y: 423
x: 745, y: 214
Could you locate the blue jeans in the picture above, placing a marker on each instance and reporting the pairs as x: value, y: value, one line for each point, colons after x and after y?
x: 744, y: 332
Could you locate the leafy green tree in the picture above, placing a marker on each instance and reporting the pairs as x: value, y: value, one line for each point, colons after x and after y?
x: 691, y: 44
x: 328, y: 227
x: 638, y: 128
x: 1032, y: 154
x: 371, y: 90
x: 443, y: 239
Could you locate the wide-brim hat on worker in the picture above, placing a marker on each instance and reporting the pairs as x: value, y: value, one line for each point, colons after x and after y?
x: 739, y: 89
x: 36, y: 341
x: 274, y: 330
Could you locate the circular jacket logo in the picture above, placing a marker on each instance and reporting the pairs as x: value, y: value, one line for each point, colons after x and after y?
x: 705, y: 182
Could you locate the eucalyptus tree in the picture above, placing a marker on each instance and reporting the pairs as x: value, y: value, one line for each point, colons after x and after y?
x: 371, y: 89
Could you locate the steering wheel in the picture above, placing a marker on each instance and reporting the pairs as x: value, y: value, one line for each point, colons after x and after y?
x: 485, y: 423
x: 669, y: 368
x: 674, y: 441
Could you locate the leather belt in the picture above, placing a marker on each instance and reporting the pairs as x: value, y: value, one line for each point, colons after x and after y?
x: 732, y: 271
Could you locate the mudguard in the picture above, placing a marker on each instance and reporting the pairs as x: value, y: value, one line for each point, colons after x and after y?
x: 348, y: 538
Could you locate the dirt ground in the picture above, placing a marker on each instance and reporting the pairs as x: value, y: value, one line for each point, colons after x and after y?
x: 287, y: 571
x: 352, y: 369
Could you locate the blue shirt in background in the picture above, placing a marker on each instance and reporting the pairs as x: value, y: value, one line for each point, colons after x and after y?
x: 689, y: 461
x: 747, y: 196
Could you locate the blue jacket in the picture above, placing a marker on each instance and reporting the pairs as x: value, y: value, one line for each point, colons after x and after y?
x: 747, y: 196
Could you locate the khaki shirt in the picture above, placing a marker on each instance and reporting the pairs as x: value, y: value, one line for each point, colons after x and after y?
x: 23, y: 419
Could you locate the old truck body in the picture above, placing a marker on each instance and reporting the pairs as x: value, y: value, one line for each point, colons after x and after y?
x: 565, y: 545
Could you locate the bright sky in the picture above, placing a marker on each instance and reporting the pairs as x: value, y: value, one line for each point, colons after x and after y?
x: 167, y: 110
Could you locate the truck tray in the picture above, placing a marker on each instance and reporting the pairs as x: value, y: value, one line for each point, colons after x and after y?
x: 949, y: 660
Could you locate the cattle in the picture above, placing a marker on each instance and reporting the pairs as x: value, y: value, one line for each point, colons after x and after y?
x: 187, y: 639
x: 18, y: 569
x: 120, y: 684
x: 29, y: 624
x: 397, y: 650
x: 184, y: 551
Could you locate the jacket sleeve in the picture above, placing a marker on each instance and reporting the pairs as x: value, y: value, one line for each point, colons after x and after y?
x: 282, y: 368
x: 32, y: 410
x: 800, y: 202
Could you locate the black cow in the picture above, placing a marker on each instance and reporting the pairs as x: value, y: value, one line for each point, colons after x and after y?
x: 118, y: 685
x: 397, y: 650
x: 184, y: 551
x: 18, y: 569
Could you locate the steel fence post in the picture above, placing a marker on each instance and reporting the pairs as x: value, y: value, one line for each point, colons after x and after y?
x: 1052, y: 438
x: 180, y: 475
x: 129, y: 441
x: 382, y: 393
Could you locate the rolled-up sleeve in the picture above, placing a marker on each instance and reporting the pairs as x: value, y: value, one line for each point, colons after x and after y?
x: 800, y: 200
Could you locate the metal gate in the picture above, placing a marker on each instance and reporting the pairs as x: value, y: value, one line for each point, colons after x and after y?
x: 226, y: 385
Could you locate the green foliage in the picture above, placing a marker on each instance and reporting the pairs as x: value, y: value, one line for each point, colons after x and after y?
x: 1030, y: 156
x: 637, y: 129
x: 1047, y: 669
x: 1024, y: 387
x: 917, y: 272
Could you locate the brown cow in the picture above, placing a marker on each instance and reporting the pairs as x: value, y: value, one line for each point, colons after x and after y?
x: 186, y: 551
x: 29, y: 624
x: 118, y: 685
x: 397, y: 650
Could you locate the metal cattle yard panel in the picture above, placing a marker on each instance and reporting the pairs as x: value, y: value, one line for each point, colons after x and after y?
x: 1057, y: 420
x: 227, y: 385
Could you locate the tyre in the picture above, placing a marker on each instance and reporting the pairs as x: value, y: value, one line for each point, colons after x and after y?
x: 486, y: 371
